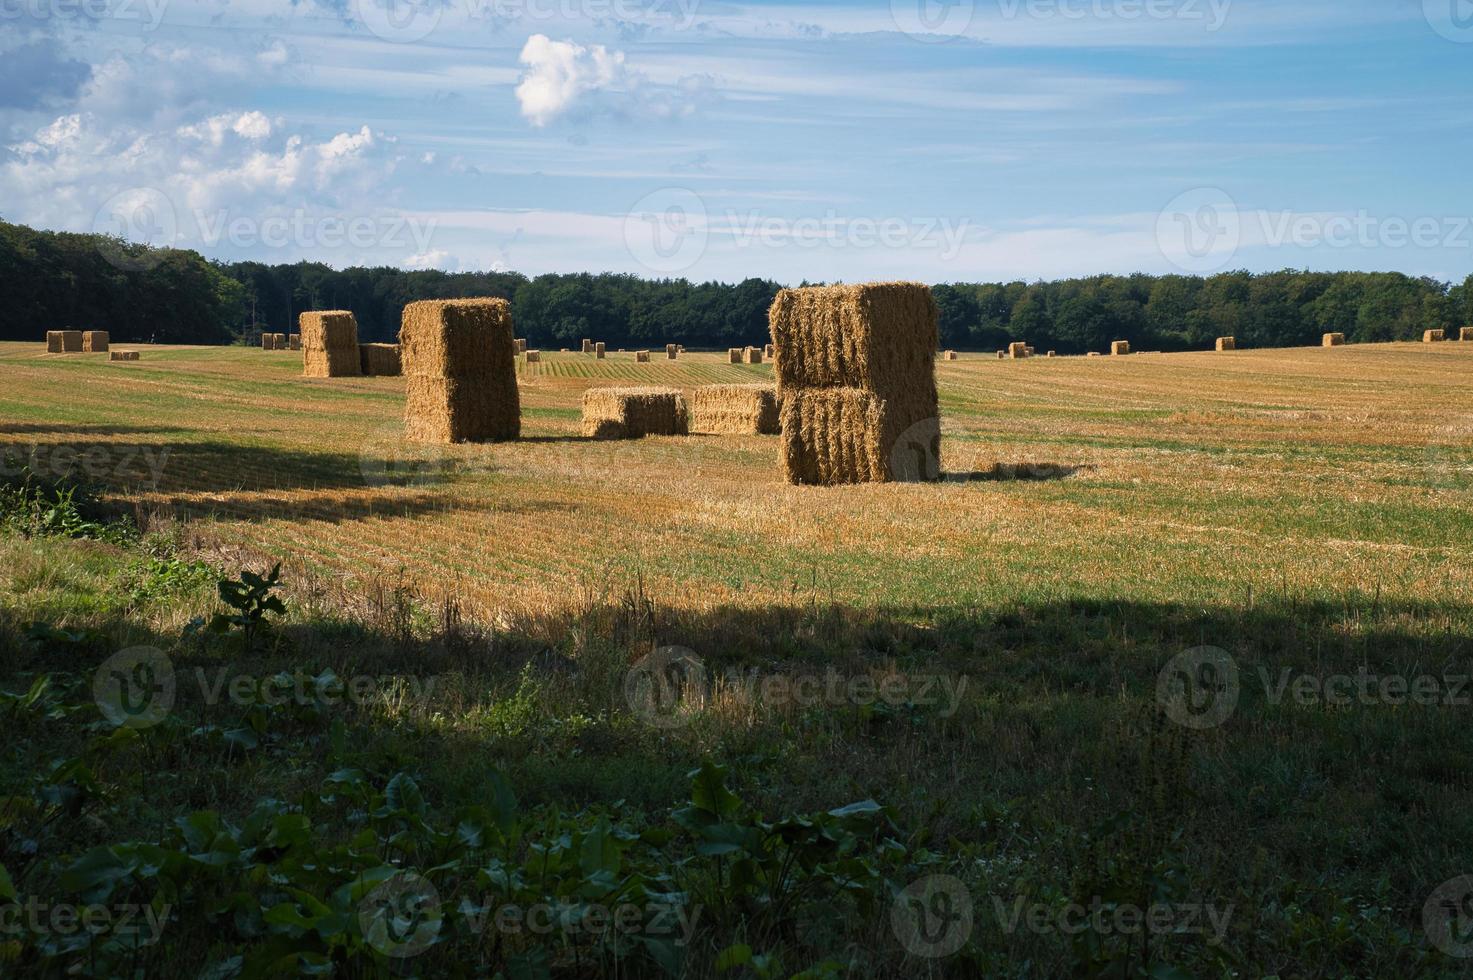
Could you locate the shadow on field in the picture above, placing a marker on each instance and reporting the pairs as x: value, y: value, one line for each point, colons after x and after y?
x: 43, y: 428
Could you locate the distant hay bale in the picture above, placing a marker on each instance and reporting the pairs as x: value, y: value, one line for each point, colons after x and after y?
x: 680, y: 348
x: 738, y: 409
x: 563, y: 350
x: 1332, y: 340
x: 587, y: 346
x: 1017, y: 350
x: 1002, y: 355
x: 769, y: 351
x: 329, y: 344
x: 459, y: 359
x: 734, y: 355
x: 1465, y: 333
x: 599, y: 350
x: 122, y: 355
x: 1029, y: 350
x: 1227, y: 343
x: 521, y: 345
x: 857, y: 376
x: 672, y: 351
x: 94, y: 341
x: 1118, y: 347
x: 293, y: 341
x: 1052, y: 353
x: 532, y: 356
x: 54, y: 342
x: 751, y: 355
x: 71, y: 341
x: 631, y: 413
x: 268, y: 341
x: 641, y: 357
x: 1093, y: 353
x: 280, y: 341
x: 380, y: 360
x: 949, y: 355
x: 1432, y: 336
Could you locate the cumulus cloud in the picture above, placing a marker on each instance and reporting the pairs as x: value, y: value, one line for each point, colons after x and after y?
x: 247, y: 125
x: 563, y: 77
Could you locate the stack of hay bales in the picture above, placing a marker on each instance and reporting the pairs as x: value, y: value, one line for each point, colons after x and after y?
x: 641, y: 357
x: 739, y: 409
x: 532, y: 356
x: 1017, y: 350
x: 94, y: 341
x: 1432, y: 336
x: 459, y: 357
x: 379, y: 360
x: 950, y: 355
x: 751, y: 355
x: 1227, y: 343
x: 734, y: 355
x: 329, y: 344
x: 587, y: 346
x: 122, y: 355
x: 857, y: 382
x: 672, y: 351
x: 599, y: 350
x: 1332, y: 340
x: 294, y: 341
x: 1118, y: 347
x: 630, y: 413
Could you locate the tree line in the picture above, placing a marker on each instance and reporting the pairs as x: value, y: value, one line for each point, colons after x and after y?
x: 57, y: 280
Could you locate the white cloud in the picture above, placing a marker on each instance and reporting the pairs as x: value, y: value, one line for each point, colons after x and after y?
x: 560, y: 72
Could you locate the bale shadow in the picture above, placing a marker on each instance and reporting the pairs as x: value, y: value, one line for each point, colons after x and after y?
x: 1019, y: 473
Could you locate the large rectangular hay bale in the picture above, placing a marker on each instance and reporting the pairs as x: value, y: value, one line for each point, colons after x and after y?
x: 1332, y: 340
x: 280, y: 341
x: 949, y: 355
x: 71, y: 341
x: 1017, y: 350
x: 641, y: 357
x: 737, y: 409
x: 380, y: 360
x: 1432, y: 336
x: 54, y: 343
x: 631, y: 413
x: 329, y: 344
x: 734, y: 355
x: 769, y: 351
x: 587, y: 346
x: 752, y: 355
x: 94, y: 341
x: 599, y: 350
x: 1227, y: 343
x: 1119, y: 347
x: 881, y: 337
x: 459, y: 359
x: 672, y: 351
x: 268, y: 341
x: 1465, y: 333
x: 532, y: 356
x: 293, y: 341
x: 847, y: 435
x: 122, y: 355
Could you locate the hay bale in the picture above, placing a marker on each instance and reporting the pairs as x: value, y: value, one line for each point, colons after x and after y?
x: 1029, y: 350
x: 641, y: 357
x: 268, y: 341
x: 598, y: 350
x: 532, y: 356
x: 1432, y: 336
x: 1052, y: 353
x: 1002, y: 355
x: 380, y: 360
x: 293, y: 341
x: 1332, y: 340
x: 1119, y: 347
x: 54, y: 342
x: 1093, y: 353
x: 672, y: 351
x: 280, y: 339
x: 734, y: 355
x: 521, y: 343
x: 1017, y: 350
x: 122, y: 355
x: 587, y: 346
x: 950, y: 355
x: 769, y: 351
x: 329, y: 344
x: 737, y: 409
x: 459, y: 359
x: 858, y: 372
x: 71, y: 341
x: 94, y: 341
x: 751, y: 355
x: 631, y: 413
x: 1227, y: 343
x: 1465, y: 333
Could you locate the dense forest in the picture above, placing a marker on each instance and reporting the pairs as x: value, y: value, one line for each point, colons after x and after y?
x: 53, y: 280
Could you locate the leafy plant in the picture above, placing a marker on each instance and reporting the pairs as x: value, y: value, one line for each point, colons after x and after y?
x: 251, y: 597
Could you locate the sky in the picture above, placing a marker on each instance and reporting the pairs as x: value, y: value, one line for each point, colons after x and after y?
x: 936, y: 140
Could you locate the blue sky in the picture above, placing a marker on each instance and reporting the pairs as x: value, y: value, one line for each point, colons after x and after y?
x: 941, y: 141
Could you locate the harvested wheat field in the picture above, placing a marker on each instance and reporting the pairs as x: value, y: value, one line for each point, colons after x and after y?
x: 1326, y: 473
